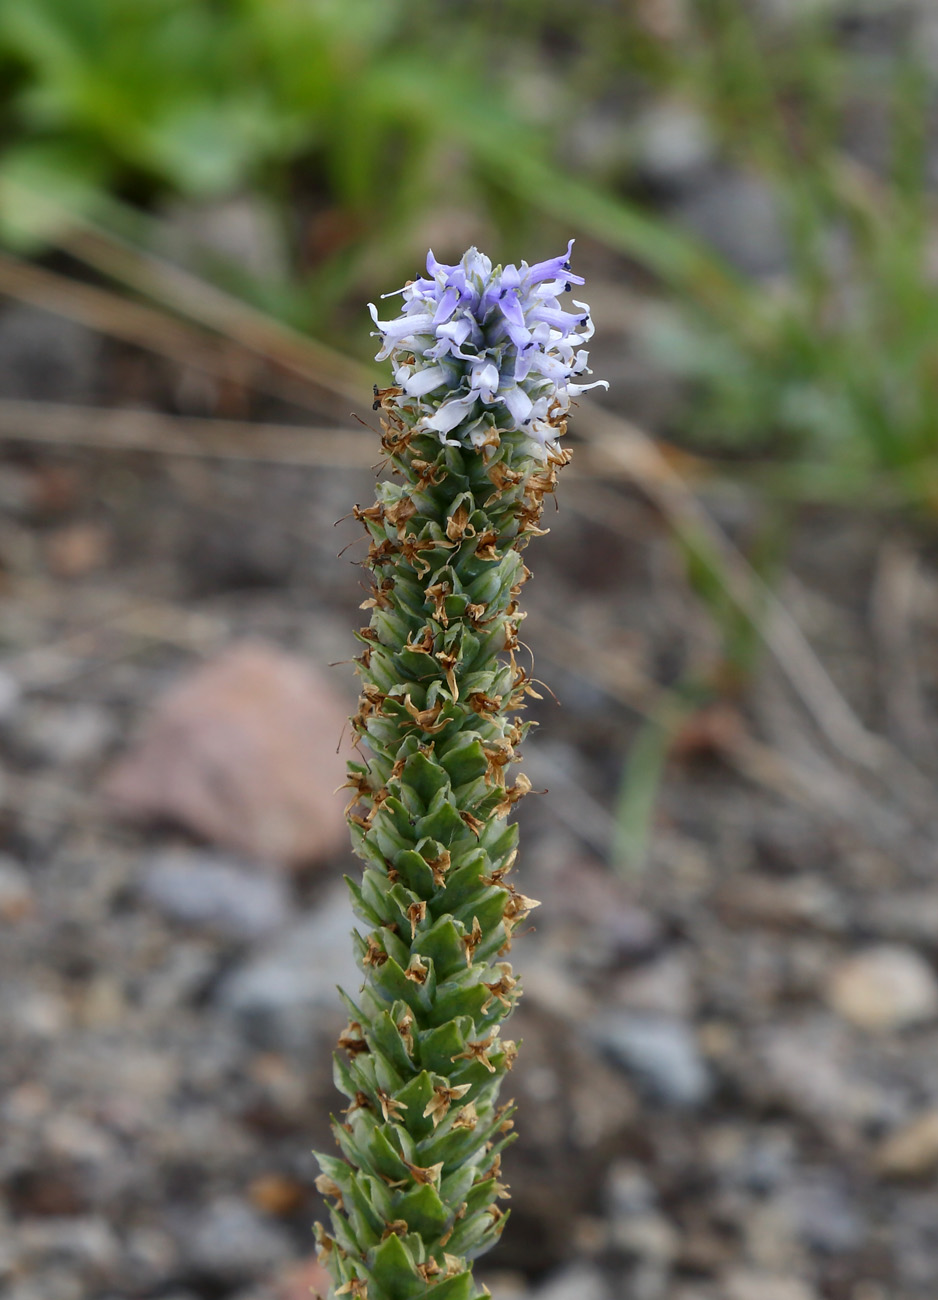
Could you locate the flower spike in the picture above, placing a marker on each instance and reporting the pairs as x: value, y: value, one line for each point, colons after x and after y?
x: 485, y: 362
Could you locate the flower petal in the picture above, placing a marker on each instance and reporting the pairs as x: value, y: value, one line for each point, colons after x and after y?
x: 424, y: 381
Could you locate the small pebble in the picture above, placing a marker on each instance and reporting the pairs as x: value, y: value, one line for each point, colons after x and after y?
x: 912, y: 1150
x: 746, y: 1285
x: 280, y: 997
x: 883, y: 988
x: 235, y: 899
x: 16, y: 894
x: 660, y: 1051
x: 229, y: 1242
x: 575, y: 1282
x: 10, y: 695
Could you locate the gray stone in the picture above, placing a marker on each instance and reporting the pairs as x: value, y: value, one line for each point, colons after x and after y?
x: 665, y: 987
x: 50, y: 1284
x: 628, y: 1191
x: 228, y: 1242
x: 65, y: 735
x: 85, y: 1243
x: 910, y: 916
x: 10, y: 695
x: 16, y: 894
x: 235, y: 899
x: 812, y: 1068
x: 674, y: 143
x: 746, y: 1285
x: 241, y: 751
x: 767, y: 1161
x: 649, y: 1237
x: 575, y: 1282
x: 822, y: 1215
x: 660, y: 1052
x: 282, y: 996
x: 738, y: 215
x: 45, y: 356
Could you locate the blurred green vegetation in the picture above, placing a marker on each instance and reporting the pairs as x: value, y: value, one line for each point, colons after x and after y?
x: 358, y: 120
x: 833, y: 366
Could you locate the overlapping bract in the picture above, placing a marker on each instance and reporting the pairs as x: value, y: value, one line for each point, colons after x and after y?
x: 485, y: 351
x: 416, y: 1186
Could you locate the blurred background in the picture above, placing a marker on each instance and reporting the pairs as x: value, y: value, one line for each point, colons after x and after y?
x: 728, y: 1087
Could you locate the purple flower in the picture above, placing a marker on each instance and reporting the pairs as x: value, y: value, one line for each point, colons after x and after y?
x: 478, y: 349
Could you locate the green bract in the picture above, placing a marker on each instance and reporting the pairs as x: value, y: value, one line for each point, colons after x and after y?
x: 416, y: 1187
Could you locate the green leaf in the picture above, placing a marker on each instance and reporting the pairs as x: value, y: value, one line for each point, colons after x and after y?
x: 425, y: 777
x: 462, y: 883
x: 361, y: 908
x: 454, y: 998
x: 480, y: 1195
x: 393, y: 1269
x: 414, y: 872
x: 445, y: 825
x: 342, y: 1076
x: 439, y: 1046
x: 384, y: 1158
x: 385, y: 1037
x: 385, y: 1074
x: 379, y: 899
x: 389, y: 839
x: 459, y: 1287
x: 455, y: 1184
x: 488, y: 907
x: 473, y: 1236
x: 45, y: 188
x: 425, y: 1212
x: 442, y: 943
x: 452, y: 1148
x: 366, y: 1220
x: 415, y: 1095
x: 499, y: 840
x: 389, y: 977
x: 465, y: 760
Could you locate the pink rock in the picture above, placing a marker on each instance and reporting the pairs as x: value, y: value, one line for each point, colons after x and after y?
x: 242, y: 752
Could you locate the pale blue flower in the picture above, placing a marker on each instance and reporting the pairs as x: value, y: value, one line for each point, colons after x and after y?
x: 480, y: 351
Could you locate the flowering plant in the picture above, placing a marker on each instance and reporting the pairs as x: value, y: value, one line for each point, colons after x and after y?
x: 485, y: 362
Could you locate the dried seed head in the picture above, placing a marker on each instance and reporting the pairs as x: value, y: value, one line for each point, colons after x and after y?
x: 478, y: 1051
x: 416, y: 914
x: 429, y: 1175
x: 356, y: 1287
x: 472, y: 940
x: 439, y: 1104
x: 351, y: 1040
x: 467, y: 1117
x: 326, y: 1186
x: 416, y: 970
x: 396, y: 1228
x: 390, y: 1109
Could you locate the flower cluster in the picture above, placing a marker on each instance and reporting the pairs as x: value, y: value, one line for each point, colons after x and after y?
x: 484, y: 351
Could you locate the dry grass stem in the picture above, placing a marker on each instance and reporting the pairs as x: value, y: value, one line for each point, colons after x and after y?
x: 231, y: 317
x: 109, y: 429
x: 617, y: 446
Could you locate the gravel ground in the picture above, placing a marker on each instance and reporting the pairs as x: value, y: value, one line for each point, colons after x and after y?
x: 728, y: 1086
